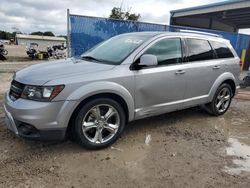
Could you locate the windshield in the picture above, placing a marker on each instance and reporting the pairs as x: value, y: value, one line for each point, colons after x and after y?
x: 116, y: 49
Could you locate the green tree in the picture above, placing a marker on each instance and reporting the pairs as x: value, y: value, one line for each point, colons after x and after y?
x: 6, y: 35
x: 46, y: 33
x: 118, y: 13
x: 37, y: 33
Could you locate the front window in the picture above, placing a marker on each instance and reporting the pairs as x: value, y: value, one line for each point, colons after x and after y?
x: 116, y: 49
x: 168, y: 51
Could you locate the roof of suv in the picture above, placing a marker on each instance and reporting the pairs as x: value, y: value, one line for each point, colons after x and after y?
x: 207, y: 36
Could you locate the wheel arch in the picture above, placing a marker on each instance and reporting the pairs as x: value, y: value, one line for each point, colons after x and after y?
x: 224, y: 78
x: 232, y: 84
x: 102, y: 89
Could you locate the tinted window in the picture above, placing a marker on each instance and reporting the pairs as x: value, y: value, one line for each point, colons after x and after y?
x: 199, y: 50
x: 221, y: 50
x: 167, y: 51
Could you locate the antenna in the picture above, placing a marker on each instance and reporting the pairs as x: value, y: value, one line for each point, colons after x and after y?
x: 121, y: 4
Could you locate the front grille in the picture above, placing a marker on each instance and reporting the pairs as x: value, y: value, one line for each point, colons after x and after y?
x: 16, y: 90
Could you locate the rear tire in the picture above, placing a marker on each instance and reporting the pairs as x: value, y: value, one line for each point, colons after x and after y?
x: 99, y: 123
x: 221, y: 101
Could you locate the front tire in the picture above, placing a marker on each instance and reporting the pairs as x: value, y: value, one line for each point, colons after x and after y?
x: 99, y: 123
x: 221, y: 101
x: 5, y: 52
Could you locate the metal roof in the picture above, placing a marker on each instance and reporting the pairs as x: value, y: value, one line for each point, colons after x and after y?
x: 228, y: 15
x: 212, y: 5
x: 37, y: 37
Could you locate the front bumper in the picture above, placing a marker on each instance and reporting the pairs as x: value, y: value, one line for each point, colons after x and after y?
x: 34, y: 120
x: 9, y: 121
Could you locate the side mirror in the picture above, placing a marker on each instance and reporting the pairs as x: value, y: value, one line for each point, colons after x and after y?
x: 148, y: 60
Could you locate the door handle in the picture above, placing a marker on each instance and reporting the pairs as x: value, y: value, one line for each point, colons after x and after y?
x: 180, y: 72
x: 216, y: 67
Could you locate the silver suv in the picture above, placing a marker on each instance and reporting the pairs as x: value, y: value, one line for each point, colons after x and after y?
x: 125, y: 78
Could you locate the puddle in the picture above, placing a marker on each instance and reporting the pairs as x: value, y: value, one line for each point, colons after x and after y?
x: 238, y: 121
x: 131, y: 159
x: 241, y: 153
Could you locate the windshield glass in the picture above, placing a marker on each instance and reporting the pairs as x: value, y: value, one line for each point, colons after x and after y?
x: 116, y: 49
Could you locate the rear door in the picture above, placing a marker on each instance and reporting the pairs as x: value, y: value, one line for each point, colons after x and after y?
x: 202, y: 69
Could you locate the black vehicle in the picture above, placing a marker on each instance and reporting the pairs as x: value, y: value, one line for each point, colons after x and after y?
x: 245, y: 82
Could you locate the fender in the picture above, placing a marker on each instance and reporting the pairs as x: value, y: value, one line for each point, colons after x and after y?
x: 94, y: 88
x: 222, y: 78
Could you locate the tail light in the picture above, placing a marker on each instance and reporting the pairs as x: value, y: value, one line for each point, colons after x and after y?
x: 240, y: 63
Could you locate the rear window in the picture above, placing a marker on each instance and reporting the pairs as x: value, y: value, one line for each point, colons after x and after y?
x: 221, y: 50
x: 199, y: 50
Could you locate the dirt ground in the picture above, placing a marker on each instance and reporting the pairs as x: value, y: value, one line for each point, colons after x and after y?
x: 16, y: 53
x: 187, y: 149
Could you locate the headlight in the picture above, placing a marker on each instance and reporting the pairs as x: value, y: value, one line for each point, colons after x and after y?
x: 41, y: 93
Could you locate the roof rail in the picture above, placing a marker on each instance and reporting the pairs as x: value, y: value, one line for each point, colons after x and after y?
x: 200, y: 32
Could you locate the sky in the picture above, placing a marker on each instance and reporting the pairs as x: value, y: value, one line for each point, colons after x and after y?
x: 49, y: 15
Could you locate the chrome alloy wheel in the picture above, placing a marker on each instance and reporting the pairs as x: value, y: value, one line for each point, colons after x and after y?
x: 100, y: 123
x: 223, y: 100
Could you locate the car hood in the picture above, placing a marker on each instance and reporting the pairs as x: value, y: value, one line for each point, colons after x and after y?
x: 41, y: 73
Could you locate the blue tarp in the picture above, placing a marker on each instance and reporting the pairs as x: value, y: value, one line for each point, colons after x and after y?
x: 85, y: 32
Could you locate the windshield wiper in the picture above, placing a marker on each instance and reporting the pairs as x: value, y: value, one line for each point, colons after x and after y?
x: 90, y: 58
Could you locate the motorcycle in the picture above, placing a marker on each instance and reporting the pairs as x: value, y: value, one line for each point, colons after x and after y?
x: 56, y: 51
x: 32, y: 50
x: 3, y: 51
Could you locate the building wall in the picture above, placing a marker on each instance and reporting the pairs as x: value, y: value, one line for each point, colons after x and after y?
x: 41, y: 43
